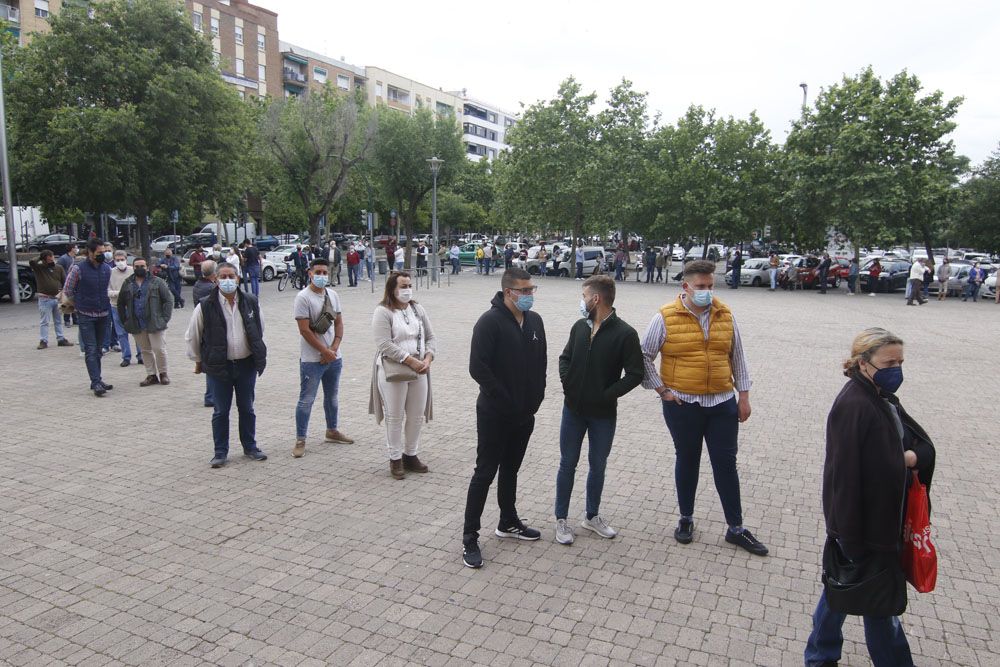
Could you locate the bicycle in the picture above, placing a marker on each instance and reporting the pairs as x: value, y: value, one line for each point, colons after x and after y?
x: 286, y: 277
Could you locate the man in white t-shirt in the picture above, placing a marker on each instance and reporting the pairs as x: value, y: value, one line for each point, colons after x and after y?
x: 398, y: 257
x: 321, y: 328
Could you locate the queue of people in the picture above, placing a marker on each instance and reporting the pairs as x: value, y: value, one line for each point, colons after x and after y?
x: 691, y: 355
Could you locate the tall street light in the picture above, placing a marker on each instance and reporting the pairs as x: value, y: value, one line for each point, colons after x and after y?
x: 8, y: 208
x: 435, y: 164
x: 805, y: 91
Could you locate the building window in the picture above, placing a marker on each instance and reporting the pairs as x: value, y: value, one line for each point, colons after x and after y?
x: 378, y: 89
x: 399, y: 95
x: 445, y: 109
x: 508, y: 122
x: 42, y: 9
x: 343, y: 82
x: 215, y: 26
x: 239, y: 34
x: 475, y: 149
x: 216, y: 58
x: 261, y: 42
x: 243, y: 95
x: 319, y: 74
x: 492, y: 153
x: 239, y: 66
x: 261, y: 71
x: 492, y: 117
x: 196, y: 21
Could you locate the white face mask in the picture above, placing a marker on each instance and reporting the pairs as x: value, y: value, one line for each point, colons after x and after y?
x: 404, y: 294
x: 121, y: 264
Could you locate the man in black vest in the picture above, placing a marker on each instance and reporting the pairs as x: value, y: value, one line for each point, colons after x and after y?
x: 86, y: 291
x: 226, y: 340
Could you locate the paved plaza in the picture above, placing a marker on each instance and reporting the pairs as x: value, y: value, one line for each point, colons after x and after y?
x: 119, y: 545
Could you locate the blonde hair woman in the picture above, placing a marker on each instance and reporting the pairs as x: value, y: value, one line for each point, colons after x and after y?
x: 872, y: 444
x: 401, y: 385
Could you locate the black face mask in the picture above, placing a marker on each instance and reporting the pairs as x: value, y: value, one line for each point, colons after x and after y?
x: 140, y: 272
x: 99, y: 257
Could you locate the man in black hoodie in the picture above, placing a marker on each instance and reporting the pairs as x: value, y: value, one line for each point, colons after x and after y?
x: 600, y: 349
x: 508, y: 361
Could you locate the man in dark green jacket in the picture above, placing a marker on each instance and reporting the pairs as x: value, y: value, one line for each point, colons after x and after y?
x: 145, y: 304
x: 601, y: 363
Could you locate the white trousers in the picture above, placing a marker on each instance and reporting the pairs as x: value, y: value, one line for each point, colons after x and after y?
x: 403, y: 401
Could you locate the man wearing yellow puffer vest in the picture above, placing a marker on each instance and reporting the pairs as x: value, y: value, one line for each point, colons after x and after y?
x: 702, y: 370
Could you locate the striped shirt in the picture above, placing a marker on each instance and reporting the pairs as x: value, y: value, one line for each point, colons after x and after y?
x: 656, y: 336
x: 69, y: 291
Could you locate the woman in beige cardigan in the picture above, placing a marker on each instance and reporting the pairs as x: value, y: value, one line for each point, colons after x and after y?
x: 402, y: 334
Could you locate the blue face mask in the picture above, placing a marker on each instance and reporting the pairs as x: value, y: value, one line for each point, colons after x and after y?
x: 525, y: 302
x: 702, y: 297
x: 320, y: 281
x: 888, y: 379
x: 227, y: 285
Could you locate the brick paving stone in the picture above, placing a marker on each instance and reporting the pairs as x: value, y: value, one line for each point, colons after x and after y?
x: 121, y: 546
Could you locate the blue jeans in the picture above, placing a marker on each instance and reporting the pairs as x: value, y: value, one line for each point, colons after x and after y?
x: 852, y: 283
x: 209, y: 399
x: 579, y: 269
x: 370, y: 268
x: 92, y: 331
x: 601, y: 432
x: 311, y: 374
x: 887, y: 645
x: 240, y: 377
x: 619, y: 272
x: 455, y: 266
x: 175, y: 289
x: 48, y: 309
x: 736, y: 277
x: 718, y: 427
x: 253, y: 275
x: 774, y: 277
x: 121, y: 335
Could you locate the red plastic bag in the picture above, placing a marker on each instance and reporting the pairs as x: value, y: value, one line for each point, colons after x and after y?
x: 919, y: 555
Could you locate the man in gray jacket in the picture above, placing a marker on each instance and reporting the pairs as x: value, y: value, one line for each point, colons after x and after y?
x: 145, y: 304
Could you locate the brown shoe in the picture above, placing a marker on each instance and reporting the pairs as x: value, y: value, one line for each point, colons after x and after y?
x: 396, y: 469
x: 413, y: 464
x: 64, y: 343
x: 299, y: 450
x: 333, y: 435
x: 42, y: 345
x: 150, y: 380
x: 164, y: 379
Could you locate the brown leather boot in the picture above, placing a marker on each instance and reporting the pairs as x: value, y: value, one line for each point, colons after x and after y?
x: 164, y: 379
x: 396, y: 469
x: 333, y: 435
x: 150, y: 380
x: 299, y: 450
x: 413, y: 464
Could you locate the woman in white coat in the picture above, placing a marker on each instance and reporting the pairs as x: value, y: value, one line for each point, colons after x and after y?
x: 401, y: 385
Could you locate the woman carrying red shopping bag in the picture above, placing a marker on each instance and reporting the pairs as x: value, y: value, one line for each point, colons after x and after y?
x: 873, y: 447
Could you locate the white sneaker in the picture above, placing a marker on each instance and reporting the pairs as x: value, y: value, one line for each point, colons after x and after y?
x: 564, y: 533
x: 599, y: 526
x: 871, y: 294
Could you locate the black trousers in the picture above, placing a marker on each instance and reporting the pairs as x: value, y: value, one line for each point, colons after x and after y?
x: 501, y: 447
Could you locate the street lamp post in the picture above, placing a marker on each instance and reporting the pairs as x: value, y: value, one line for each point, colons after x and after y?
x: 805, y: 91
x: 8, y: 208
x: 435, y: 164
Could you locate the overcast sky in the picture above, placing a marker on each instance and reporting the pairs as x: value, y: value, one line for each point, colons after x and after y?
x: 731, y: 56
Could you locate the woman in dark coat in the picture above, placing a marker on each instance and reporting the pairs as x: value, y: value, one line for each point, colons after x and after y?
x: 872, y: 444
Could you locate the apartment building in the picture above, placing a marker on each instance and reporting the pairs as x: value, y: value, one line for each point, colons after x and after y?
x: 304, y: 71
x: 26, y: 17
x: 245, y: 43
x: 398, y: 92
x: 484, y: 127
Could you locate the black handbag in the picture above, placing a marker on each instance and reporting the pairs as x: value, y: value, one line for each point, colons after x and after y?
x: 873, y: 585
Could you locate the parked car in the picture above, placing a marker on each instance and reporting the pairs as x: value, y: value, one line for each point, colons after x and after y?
x: 989, y: 288
x: 715, y: 252
x: 893, y: 277
x: 268, y: 270
x: 57, y: 243
x: 593, y: 258
x: 278, y: 255
x: 182, y: 246
x: 266, y: 242
x: 755, y: 273
x: 809, y: 272
x: 161, y: 243
x: 957, y: 281
x: 25, y: 281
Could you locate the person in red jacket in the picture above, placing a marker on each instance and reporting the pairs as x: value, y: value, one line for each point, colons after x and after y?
x: 874, y: 271
x: 353, y: 266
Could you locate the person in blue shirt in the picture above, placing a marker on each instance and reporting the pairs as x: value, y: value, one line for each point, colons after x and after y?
x: 171, y: 268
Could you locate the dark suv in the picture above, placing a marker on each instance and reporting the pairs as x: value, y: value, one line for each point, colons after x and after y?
x: 25, y: 282
x: 57, y: 243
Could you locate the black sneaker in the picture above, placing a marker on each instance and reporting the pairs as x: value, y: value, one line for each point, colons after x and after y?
x: 518, y: 530
x: 472, y: 556
x: 218, y: 461
x: 747, y: 541
x: 684, y: 532
x: 256, y: 455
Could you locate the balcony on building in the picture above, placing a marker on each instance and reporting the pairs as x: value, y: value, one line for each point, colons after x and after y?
x: 10, y: 14
x: 294, y: 71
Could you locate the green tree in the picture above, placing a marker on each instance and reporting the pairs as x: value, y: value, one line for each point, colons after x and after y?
x: 312, y: 143
x: 400, y: 159
x: 123, y: 112
x: 977, y: 220
x: 874, y: 160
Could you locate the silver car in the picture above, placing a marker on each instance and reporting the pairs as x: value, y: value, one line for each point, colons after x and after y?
x: 755, y: 273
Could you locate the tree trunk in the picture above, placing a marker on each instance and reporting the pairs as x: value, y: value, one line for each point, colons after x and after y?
x: 411, y: 215
x: 314, y: 230
x: 142, y: 228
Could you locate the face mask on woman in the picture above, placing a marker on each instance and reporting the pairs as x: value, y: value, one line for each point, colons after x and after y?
x: 404, y: 294
x: 888, y: 379
x: 227, y: 285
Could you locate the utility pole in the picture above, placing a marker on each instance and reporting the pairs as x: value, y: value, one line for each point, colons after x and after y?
x: 8, y: 209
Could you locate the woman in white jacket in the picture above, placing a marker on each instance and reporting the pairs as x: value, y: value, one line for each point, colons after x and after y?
x: 401, y: 386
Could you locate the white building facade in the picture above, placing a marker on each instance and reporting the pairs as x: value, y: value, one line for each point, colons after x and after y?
x: 484, y: 128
